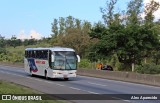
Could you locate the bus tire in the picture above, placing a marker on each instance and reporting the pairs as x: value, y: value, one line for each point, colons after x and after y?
x: 66, y: 79
x: 45, y: 74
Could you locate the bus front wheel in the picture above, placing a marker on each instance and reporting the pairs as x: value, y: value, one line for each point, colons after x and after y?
x: 45, y: 74
x: 66, y: 79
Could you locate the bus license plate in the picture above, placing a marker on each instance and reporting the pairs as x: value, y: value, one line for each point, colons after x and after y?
x: 65, y: 76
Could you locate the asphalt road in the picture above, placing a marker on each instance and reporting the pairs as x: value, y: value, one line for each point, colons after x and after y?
x: 90, y: 86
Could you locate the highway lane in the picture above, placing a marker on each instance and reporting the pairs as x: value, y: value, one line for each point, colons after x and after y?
x: 79, y: 85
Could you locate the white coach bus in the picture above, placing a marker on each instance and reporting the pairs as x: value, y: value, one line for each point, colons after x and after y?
x: 56, y: 62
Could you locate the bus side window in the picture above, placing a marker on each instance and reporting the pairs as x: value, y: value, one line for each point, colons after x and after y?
x: 29, y: 54
x: 34, y: 54
x: 45, y: 54
x: 40, y: 54
x: 37, y: 54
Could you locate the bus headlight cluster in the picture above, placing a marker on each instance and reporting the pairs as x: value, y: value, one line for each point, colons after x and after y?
x: 54, y: 72
x: 57, y: 73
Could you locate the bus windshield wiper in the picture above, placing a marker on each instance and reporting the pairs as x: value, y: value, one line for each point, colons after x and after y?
x: 68, y: 64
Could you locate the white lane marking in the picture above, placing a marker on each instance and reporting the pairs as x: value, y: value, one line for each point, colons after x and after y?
x: 97, y: 84
x: 74, y: 88
x: 29, y: 77
x: 127, y: 101
x: 91, y: 92
x: 121, y: 99
x: 13, y: 74
x: 60, y: 85
x: 22, y: 70
x: 11, y: 66
x: 49, y: 82
x: 39, y: 80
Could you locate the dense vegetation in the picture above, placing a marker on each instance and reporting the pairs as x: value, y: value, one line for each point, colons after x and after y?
x: 125, y: 40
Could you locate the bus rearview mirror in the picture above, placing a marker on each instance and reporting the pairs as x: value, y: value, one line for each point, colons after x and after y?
x: 78, y: 58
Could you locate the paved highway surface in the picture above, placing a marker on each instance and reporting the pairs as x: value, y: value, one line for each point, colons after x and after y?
x: 79, y: 85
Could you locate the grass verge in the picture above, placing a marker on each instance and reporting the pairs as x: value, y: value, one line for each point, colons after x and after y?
x: 11, y: 88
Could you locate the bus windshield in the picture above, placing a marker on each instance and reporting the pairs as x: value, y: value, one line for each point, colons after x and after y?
x: 64, y: 60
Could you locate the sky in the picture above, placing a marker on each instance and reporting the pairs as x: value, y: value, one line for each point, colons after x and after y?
x: 26, y: 18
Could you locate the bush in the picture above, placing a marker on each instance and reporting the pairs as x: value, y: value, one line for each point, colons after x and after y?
x: 15, y: 57
x: 2, y: 50
x: 84, y: 63
x: 3, y: 57
x: 148, y: 69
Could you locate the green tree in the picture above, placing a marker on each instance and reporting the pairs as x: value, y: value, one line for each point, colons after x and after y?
x: 129, y: 39
x: 133, y: 45
x: 75, y: 38
x: 29, y: 42
x: 73, y: 34
x: 61, y: 25
x: 54, y: 27
x: 78, y: 23
x: 108, y: 11
x: 14, y: 41
x: 153, y: 31
x: 2, y: 45
x: 70, y: 22
x: 2, y: 41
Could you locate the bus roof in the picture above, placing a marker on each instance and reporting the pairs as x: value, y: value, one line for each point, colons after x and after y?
x: 51, y: 48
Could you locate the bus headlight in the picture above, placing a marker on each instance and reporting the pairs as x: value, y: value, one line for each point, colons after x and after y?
x: 54, y: 72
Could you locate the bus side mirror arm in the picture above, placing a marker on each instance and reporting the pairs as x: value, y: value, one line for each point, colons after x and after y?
x: 52, y: 58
